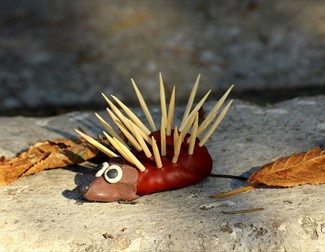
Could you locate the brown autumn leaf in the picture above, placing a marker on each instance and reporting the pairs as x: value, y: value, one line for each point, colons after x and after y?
x: 45, y: 155
x: 297, y: 169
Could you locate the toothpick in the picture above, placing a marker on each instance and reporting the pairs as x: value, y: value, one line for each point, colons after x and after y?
x: 129, y: 136
x: 196, y: 109
x: 191, y: 99
x: 127, y: 122
x: 162, y: 99
x: 162, y: 137
x: 144, y: 106
x: 109, y: 128
x: 193, y: 135
x: 115, y: 119
x: 171, y: 110
x: 117, y: 112
x: 112, y: 115
x: 216, y: 124
x: 175, y: 136
x: 141, y: 142
x: 156, y: 153
x: 133, y: 117
x: 213, y: 112
x: 125, y: 152
x: 129, y: 156
x: 133, y: 158
x: 177, y: 149
x: 187, y: 127
x: 96, y: 144
x: 122, y: 120
x: 106, y: 99
x: 143, y: 134
x: 117, y: 146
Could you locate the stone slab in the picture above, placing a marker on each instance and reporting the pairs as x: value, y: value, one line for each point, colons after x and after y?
x: 43, y: 212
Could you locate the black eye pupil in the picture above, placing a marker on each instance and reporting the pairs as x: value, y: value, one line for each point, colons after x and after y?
x: 112, y: 173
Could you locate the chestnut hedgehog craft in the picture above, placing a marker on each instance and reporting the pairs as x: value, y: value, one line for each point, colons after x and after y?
x: 157, y: 160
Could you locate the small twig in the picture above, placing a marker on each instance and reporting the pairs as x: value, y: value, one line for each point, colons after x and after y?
x: 237, y: 191
x: 251, y: 210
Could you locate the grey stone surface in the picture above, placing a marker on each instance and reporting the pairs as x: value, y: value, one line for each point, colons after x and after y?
x: 63, y: 53
x: 43, y: 212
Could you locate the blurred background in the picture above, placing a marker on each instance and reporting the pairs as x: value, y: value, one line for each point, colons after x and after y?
x: 57, y: 56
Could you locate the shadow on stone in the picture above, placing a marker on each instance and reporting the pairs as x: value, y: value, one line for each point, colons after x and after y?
x: 72, y: 194
x: 61, y: 133
x: 321, y: 143
x: 83, y: 177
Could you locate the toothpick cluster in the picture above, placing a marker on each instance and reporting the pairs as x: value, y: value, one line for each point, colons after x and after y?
x: 138, y: 134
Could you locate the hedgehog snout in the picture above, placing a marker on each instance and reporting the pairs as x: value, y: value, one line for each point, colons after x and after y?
x: 83, y: 189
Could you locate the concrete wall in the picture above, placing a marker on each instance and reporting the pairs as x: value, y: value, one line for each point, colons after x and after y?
x: 64, y: 53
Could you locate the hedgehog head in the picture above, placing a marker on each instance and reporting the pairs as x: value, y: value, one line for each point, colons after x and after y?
x: 116, y: 180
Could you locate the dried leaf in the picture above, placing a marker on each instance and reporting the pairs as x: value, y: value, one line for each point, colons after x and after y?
x: 297, y: 169
x: 45, y: 155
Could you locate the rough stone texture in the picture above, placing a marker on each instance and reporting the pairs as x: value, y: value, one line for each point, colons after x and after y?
x: 43, y: 212
x: 63, y: 53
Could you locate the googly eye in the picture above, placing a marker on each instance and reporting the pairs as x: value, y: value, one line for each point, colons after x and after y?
x: 102, y: 168
x: 113, y: 174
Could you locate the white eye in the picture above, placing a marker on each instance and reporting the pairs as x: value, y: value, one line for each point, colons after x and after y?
x: 113, y: 174
x: 102, y: 168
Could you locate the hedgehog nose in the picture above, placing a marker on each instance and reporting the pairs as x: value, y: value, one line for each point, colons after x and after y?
x: 83, y: 189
